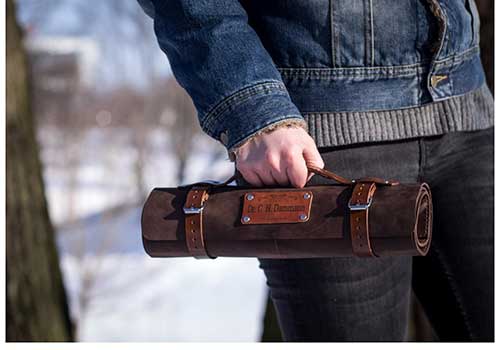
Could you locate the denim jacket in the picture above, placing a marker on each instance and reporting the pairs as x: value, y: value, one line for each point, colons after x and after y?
x: 250, y: 64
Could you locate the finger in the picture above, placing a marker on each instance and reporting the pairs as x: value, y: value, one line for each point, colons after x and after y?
x: 297, y: 173
x: 313, y: 157
x: 309, y: 177
x: 265, y: 175
x: 280, y: 176
x: 251, y: 177
x: 276, y: 168
x: 281, y: 180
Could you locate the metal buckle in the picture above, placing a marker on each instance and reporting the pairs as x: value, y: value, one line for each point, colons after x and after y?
x: 361, y: 206
x: 193, y: 210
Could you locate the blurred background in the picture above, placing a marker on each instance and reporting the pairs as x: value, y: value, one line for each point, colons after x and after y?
x: 95, y: 120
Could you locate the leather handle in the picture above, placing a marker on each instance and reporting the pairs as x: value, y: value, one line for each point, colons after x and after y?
x: 313, y: 169
x: 329, y: 175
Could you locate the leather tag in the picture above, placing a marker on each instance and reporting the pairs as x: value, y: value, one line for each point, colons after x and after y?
x: 276, y: 207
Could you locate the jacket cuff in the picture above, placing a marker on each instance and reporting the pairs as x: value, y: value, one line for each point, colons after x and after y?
x: 248, y: 111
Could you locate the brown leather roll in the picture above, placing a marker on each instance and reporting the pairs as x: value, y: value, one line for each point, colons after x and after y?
x: 365, y: 217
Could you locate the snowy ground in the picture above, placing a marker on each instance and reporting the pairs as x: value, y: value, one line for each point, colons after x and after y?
x: 118, y: 293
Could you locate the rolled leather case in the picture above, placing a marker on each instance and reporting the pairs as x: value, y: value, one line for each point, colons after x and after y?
x: 368, y: 217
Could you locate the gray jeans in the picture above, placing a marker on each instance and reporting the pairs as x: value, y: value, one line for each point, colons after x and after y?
x: 365, y: 299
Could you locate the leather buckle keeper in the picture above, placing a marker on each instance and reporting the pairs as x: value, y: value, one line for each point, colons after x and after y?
x: 193, y: 210
x: 359, y: 204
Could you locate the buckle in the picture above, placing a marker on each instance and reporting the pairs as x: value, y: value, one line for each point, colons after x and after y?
x: 360, y: 206
x: 193, y: 209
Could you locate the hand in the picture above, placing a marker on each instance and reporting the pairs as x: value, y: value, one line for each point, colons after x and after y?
x: 278, y: 158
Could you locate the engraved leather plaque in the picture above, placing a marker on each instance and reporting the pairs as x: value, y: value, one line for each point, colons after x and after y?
x: 276, y: 207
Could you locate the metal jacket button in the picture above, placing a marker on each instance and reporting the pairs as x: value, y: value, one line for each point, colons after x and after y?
x: 223, y: 137
x: 436, y: 79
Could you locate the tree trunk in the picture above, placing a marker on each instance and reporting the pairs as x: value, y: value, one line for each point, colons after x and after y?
x: 35, y: 298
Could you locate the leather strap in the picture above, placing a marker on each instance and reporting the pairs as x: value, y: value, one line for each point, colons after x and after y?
x: 193, y: 210
x: 329, y: 175
x: 359, y: 205
x: 340, y: 179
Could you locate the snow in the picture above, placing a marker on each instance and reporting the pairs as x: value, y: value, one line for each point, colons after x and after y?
x: 118, y: 293
x: 143, y: 299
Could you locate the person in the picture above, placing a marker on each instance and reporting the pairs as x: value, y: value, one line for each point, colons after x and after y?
x: 393, y: 89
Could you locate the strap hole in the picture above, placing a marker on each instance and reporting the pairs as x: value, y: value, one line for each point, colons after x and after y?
x: 193, y: 230
x: 192, y: 222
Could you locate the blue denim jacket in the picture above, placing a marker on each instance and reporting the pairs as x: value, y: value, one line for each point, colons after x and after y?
x: 249, y: 64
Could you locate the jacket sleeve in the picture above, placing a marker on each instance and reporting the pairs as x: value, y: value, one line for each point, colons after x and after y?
x: 218, y: 58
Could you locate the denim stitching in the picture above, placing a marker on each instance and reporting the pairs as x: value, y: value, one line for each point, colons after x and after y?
x: 366, y: 33
x: 441, y: 17
x: 243, y: 93
x: 459, y: 57
x: 395, y: 71
x: 257, y: 128
x: 332, y: 34
x: 372, y: 42
x: 410, y: 107
x: 239, y: 97
x: 384, y: 71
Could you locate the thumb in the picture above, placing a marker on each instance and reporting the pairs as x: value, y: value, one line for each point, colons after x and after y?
x: 313, y: 157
